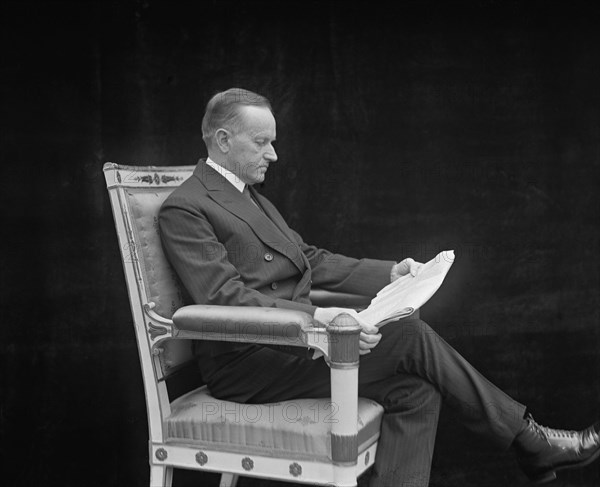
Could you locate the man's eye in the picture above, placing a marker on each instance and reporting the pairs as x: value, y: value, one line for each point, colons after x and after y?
x: 261, y: 142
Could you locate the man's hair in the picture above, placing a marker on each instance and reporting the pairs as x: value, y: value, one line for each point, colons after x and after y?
x: 222, y: 110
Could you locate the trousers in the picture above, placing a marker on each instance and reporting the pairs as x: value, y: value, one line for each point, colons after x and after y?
x: 410, y: 373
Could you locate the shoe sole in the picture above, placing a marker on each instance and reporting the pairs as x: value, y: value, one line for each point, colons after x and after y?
x: 551, y: 475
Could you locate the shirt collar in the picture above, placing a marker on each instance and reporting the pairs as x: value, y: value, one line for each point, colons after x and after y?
x: 227, y: 174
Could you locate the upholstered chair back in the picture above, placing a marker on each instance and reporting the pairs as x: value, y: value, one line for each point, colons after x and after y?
x: 138, y: 193
x: 161, y: 285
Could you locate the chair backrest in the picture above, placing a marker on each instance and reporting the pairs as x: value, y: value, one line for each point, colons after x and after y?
x: 136, y: 194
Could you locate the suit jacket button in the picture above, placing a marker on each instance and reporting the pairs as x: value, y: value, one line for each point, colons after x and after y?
x: 268, y: 257
x: 274, y: 285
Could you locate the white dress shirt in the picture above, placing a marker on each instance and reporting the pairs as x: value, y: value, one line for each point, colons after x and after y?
x: 227, y: 174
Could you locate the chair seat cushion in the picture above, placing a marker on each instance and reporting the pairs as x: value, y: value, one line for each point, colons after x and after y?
x: 300, y: 427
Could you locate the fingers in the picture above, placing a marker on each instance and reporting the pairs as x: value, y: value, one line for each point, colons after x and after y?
x: 368, y: 341
x: 370, y: 329
x: 409, y: 266
x: 415, y: 267
x: 369, y: 338
x: 405, y: 265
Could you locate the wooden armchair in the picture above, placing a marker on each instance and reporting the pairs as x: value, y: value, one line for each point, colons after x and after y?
x: 318, y: 441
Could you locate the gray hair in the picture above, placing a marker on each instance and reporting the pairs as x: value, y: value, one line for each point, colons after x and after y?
x: 222, y: 110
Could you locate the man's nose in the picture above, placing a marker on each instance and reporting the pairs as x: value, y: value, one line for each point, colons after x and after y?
x: 270, y: 154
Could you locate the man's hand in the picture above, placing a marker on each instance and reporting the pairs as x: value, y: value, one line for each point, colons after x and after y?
x: 369, y: 336
x: 405, y: 267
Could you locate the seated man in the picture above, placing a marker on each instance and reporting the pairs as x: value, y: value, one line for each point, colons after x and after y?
x: 230, y: 246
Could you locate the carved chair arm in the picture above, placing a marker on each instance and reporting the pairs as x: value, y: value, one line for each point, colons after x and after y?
x: 250, y: 324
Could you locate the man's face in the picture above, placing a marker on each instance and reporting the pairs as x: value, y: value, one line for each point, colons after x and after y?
x: 251, y: 147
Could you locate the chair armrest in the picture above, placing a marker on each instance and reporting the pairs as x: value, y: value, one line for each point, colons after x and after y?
x: 325, y: 299
x: 250, y: 324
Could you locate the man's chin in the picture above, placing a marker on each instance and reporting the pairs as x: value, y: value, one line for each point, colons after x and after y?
x: 259, y: 178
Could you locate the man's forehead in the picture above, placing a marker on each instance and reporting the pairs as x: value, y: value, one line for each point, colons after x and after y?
x: 257, y: 116
x: 258, y: 120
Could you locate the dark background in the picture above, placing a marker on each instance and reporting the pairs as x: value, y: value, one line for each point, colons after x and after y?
x: 402, y: 131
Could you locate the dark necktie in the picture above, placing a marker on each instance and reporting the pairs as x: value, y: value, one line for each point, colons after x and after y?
x: 248, y: 195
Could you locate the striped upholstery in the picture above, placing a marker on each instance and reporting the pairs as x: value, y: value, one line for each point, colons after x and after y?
x: 164, y: 288
x: 162, y: 285
x: 299, y: 428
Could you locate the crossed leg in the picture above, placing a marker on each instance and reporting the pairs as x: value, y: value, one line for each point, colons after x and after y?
x: 409, y: 372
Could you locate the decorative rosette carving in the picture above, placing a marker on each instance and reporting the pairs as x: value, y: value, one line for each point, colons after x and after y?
x: 201, y: 458
x: 296, y: 469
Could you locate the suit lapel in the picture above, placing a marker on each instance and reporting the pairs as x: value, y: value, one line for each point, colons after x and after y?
x: 278, y: 220
x: 272, y: 213
x: 272, y: 234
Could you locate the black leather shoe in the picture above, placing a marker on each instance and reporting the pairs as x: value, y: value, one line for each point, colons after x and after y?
x: 542, y: 451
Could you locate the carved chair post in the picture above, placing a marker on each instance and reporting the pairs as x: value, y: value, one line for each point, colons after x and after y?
x: 344, y: 332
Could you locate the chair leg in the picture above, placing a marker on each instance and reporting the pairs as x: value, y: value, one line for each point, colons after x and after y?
x: 228, y: 480
x: 160, y: 476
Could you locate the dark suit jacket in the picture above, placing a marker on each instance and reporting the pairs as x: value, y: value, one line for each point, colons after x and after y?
x: 226, y: 251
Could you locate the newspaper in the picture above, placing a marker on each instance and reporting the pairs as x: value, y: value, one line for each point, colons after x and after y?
x: 408, y: 293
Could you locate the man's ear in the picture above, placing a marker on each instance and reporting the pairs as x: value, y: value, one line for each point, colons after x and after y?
x: 222, y: 138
